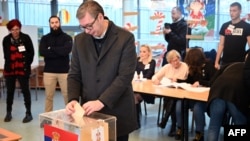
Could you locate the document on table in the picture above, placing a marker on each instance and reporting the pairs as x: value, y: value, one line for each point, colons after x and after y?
x: 165, y: 82
x: 194, y: 89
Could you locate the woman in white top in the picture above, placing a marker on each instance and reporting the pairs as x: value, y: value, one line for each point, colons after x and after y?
x: 174, y: 70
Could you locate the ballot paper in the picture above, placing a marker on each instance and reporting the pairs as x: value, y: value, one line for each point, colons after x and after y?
x: 78, y: 114
x: 165, y: 82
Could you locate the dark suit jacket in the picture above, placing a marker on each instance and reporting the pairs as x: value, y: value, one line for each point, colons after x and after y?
x: 228, y: 84
x: 176, y: 39
x: 106, y: 77
x: 246, y: 77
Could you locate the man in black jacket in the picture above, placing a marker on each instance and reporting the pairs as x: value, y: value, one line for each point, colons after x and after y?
x: 55, y: 47
x: 175, y: 33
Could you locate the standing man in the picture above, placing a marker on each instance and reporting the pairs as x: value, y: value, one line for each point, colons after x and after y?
x: 233, y: 38
x: 175, y: 34
x: 55, y: 47
x: 18, y: 55
x: 102, y: 68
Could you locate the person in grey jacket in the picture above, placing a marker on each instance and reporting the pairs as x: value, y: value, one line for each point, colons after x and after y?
x: 102, y: 68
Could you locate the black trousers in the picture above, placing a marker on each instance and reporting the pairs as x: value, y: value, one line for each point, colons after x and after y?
x: 24, y: 85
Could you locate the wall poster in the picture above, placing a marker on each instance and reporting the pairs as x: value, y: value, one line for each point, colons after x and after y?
x: 200, y: 15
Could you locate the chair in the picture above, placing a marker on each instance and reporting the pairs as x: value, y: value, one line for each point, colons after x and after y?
x: 145, y: 107
x: 160, y: 111
x: 2, y: 85
x: 145, y: 101
x: 192, y: 124
x: 18, y: 87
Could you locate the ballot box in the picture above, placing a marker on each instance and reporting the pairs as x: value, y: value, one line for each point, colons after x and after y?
x: 58, y: 126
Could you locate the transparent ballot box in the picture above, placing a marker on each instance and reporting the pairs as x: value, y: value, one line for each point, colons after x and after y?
x: 58, y: 126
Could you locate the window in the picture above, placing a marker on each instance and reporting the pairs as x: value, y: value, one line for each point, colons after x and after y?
x: 139, y: 16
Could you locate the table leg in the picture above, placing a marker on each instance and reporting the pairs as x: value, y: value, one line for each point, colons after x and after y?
x: 159, y: 111
x: 184, y: 114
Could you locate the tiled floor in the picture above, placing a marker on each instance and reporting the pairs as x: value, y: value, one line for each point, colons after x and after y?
x: 31, y: 131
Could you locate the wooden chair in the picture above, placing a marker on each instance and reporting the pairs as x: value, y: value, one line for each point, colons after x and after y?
x: 18, y: 88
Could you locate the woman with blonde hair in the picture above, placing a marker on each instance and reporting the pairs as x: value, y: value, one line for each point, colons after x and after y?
x: 174, y: 70
x: 146, y: 65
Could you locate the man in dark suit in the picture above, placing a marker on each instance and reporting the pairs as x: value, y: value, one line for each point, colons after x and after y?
x: 175, y: 34
x: 102, y: 68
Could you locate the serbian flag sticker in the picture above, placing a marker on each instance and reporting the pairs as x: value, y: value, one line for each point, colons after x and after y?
x: 55, y: 134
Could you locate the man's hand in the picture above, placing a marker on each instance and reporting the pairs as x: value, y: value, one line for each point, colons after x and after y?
x: 166, y: 31
x: 92, y: 106
x: 70, y: 107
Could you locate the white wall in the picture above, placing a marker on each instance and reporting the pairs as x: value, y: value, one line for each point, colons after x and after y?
x: 31, y: 31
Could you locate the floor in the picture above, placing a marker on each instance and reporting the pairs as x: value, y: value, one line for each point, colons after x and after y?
x: 31, y: 131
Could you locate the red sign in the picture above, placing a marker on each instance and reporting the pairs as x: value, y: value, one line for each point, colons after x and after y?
x: 55, y: 134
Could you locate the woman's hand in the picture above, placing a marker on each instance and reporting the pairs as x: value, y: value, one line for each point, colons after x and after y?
x: 156, y: 82
x: 196, y: 84
x: 173, y: 79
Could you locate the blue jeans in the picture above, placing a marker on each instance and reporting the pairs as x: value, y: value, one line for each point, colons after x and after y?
x: 199, y: 109
x: 218, y: 108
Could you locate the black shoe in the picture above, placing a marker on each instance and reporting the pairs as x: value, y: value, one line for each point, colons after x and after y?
x: 8, y: 117
x: 178, y: 134
x: 27, y: 118
x: 162, y: 125
x: 172, y: 131
x: 198, y: 137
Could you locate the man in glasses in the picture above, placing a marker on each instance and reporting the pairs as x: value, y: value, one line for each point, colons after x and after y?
x: 55, y: 47
x: 102, y: 68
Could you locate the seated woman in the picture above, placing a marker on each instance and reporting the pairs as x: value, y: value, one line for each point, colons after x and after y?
x: 175, y: 69
x: 228, y: 95
x: 201, y: 70
x: 146, y: 65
